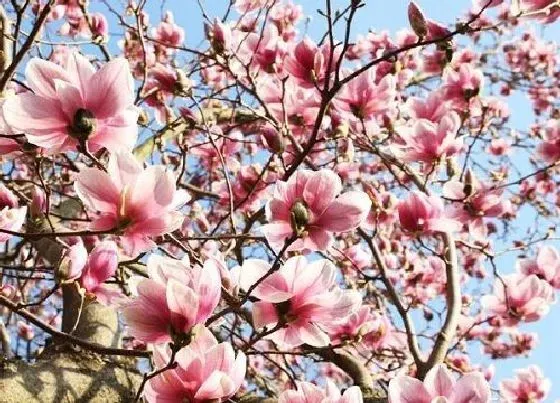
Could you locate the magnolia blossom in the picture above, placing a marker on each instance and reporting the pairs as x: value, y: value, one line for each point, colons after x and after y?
x: 310, y: 393
x: 101, y: 264
x: 299, y: 299
x: 137, y: 203
x: 370, y: 327
x: 167, y: 33
x: 462, y: 84
x: 475, y: 201
x: 549, y: 150
x: 206, y: 371
x: 364, y: 98
x: 307, y: 206
x: 439, y: 386
x: 72, y: 262
x: 219, y: 35
x: 12, y: 217
x: 546, y: 265
x: 309, y: 64
x: 428, y: 142
x: 528, y: 298
x: 74, y: 105
x: 424, y: 214
x: 529, y: 385
x: 172, y: 300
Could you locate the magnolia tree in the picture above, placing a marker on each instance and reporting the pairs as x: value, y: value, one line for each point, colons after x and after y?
x: 271, y: 216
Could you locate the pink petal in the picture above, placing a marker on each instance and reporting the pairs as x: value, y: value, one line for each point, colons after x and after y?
x: 97, y: 190
x: 439, y: 381
x: 124, y: 168
x: 347, y: 212
x: 110, y: 89
x: 264, y: 314
x: 117, y: 134
x: 70, y: 98
x: 318, y: 239
x: 26, y: 112
x: 41, y: 75
x: 404, y: 389
x: 312, y: 335
x: 183, y: 304
x: 471, y: 388
x: 320, y: 190
x: 217, y: 386
x: 80, y: 69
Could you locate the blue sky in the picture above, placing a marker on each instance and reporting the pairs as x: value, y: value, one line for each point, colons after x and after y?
x: 391, y: 15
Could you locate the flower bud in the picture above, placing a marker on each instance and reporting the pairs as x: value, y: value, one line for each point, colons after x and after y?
x: 417, y: 20
x: 273, y: 140
x: 72, y: 263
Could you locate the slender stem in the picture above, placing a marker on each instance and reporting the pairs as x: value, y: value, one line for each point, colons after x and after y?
x: 453, y: 295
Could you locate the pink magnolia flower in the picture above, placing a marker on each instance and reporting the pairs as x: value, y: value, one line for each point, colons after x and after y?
x: 72, y: 262
x: 12, y: 217
x: 99, y: 26
x: 285, y: 17
x: 473, y: 202
x: 299, y: 298
x: 425, y: 214
x: 429, y: 142
x: 74, y: 104
x: 546, y: 266
x: 261, y: 51
x: 529, y: 385
x: 172, y: 300
x: 462, y: 84
x: 219, y: 35
x: 168, y: 35
x: 439, y: 386
x: 102, y: 264
x: 297, y: 104
x: 206, y: 371
x: 309, y: 63
x: 310, y: 393
x: 138, y: 203
x: 307, y: 205
x: 371, y: 327
x: 528, y: 298
x: 549, y: 149
x: 499, y: 147
x: 364, y: 98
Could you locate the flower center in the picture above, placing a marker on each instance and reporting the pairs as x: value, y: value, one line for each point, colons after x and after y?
x: 283, y: 310
x: 299, y: 216
x: 123, y: 220
x: 83, y: 124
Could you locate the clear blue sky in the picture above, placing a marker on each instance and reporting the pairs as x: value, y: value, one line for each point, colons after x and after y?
x: 391, y: 15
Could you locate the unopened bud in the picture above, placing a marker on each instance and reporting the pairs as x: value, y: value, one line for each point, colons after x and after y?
x: 451, y: 167
x: 273, y: 139
x: 468, y: 183
x: 72, y: 263
x: 417, y: 20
